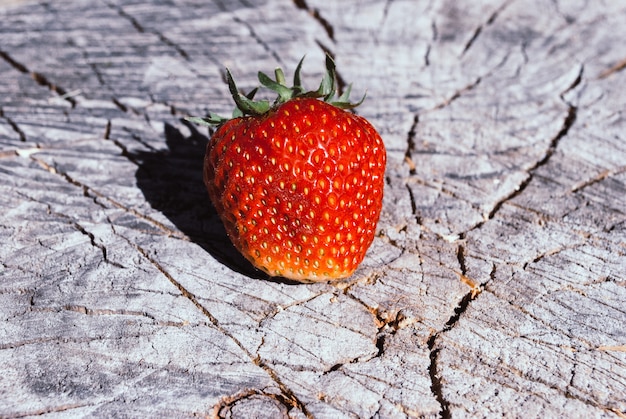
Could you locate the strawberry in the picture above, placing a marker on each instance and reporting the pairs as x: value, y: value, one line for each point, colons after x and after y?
x: 299, y: 183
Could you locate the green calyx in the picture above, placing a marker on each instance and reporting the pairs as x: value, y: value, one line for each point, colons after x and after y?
x: 246, y: 105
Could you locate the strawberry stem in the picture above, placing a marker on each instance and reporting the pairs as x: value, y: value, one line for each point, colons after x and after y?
x: 247, y: 106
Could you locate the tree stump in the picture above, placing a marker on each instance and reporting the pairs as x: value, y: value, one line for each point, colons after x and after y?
x: 495, y: 286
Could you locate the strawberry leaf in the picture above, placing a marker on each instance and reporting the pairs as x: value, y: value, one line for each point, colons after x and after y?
x: 245, y: 105
x: 284, y: 93
x: 208, y: 121
x: 280, y: 76
x: 252, y: 93
x: 330, y: 78
x: 345, y: 97
x: 343, y: 101
x: 297, y: 81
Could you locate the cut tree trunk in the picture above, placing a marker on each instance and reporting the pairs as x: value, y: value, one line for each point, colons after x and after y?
x: 496, y: 284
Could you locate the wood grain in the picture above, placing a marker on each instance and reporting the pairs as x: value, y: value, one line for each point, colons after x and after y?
x: 495, y: 285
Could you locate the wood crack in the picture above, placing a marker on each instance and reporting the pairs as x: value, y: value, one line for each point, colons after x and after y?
x: 288, y: 395
x: 469, y: 43
x: 315, y: 13
x: 92, y: 240
x: 480, y: 28
x: 568, y: 122
x: 93, y: 193
x: 543, y: 322
x: 95, y: 69
x: 259, y: 40
x: 280, y: 309
x: 416, y: 216
x: 462, y: 306
x: 568, y: 388
x: 436, y: 386
x: 616, y: 68
x: 141, y: 29
x: 598, y: 178
x: 383, y: 20
x: 48, y: 410
x: 81, y: 229
x: 13, y: 125
x: 39, y: 78
x: 387, y: 324
x: 410, y: 148
x: 66, y: 339
x: 458, y: 94
x: 574, y: 84
x: 114, y: 312
x: 223, y: 408
x: 510, y: 370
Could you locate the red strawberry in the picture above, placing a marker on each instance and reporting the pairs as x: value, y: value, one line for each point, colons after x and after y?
x: 299, y: 184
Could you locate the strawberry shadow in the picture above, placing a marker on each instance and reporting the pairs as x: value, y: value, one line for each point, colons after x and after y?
x: 172, y: 183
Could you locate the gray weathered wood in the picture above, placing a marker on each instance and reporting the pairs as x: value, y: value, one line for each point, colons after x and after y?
x: 495, y: 286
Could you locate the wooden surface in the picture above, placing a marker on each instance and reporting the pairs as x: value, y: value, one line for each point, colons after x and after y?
x: 496, y: 285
